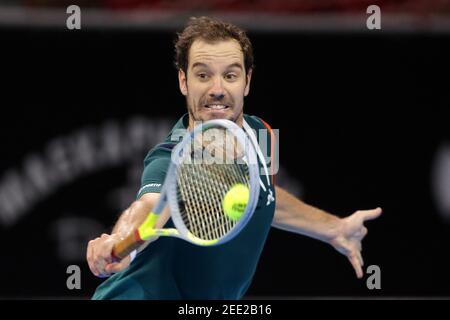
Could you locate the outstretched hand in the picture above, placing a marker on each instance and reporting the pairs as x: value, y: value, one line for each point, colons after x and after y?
x: 351, y: 232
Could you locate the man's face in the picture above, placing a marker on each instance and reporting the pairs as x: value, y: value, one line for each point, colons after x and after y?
x: 216, y: 83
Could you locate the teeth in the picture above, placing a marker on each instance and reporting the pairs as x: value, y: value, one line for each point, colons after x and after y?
x: 216, y: 106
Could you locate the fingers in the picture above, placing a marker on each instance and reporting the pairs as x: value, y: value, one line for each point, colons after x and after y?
x: 371, y: 214
x: 359, y: 235
x: 104, y: 248
x: 114, y: 267
x: 99, y: 255
x: 117, y: 266
x: 360, y: 258
x: 90, y: 257
x: 356, y: 265
x: 364, y: 232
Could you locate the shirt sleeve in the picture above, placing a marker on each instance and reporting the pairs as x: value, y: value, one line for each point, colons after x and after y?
x: 153, y: 176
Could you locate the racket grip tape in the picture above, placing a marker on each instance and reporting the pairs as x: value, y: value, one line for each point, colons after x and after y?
x: 125, y: 246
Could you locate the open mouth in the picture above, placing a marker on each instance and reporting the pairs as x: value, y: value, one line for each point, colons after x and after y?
x: 217, y: 106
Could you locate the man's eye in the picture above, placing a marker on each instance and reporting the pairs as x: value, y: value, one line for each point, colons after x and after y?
x: 202, y: 75
x: 230, y: 76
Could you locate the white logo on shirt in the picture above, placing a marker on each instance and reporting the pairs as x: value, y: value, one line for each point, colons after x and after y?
x: 270, y: 198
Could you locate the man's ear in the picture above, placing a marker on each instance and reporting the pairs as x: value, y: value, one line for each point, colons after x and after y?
x: 247, y: 85
x: 182, y: 80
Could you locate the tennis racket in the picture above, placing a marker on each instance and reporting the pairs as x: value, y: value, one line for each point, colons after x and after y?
x: 210, y: 160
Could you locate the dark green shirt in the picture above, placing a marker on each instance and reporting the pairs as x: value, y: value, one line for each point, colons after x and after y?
x: 171, y: 268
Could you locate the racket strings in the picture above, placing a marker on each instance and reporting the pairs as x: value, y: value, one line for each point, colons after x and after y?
x: 202, y: 211
x: 201, y: 188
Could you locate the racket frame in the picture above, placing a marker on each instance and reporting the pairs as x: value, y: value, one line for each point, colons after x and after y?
x: 146, y: 231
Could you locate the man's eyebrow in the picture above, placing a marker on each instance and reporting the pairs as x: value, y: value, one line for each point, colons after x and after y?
x: 199, y: 64
x: 204, y: 65
x: 235, y: 65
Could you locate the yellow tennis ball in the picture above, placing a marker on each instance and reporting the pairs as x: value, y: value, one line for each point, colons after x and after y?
x: 235, y: 201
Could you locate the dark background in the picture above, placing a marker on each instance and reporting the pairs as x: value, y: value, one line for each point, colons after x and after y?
x: 361, y: 119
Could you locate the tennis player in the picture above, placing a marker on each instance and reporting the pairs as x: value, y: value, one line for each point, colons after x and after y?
x: 214, y: 61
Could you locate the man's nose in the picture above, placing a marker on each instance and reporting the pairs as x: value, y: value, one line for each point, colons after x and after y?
x: 217, y: 91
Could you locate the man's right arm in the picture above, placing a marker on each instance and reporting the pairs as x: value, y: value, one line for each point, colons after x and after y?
x: 99, y: 250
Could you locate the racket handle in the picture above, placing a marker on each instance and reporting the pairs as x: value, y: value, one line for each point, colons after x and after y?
x: 125, y: 246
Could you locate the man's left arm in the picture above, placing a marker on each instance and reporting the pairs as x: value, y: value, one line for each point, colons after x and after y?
x: 344, y: 234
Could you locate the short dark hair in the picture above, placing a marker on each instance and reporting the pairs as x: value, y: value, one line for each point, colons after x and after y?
x: 210, y: 30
